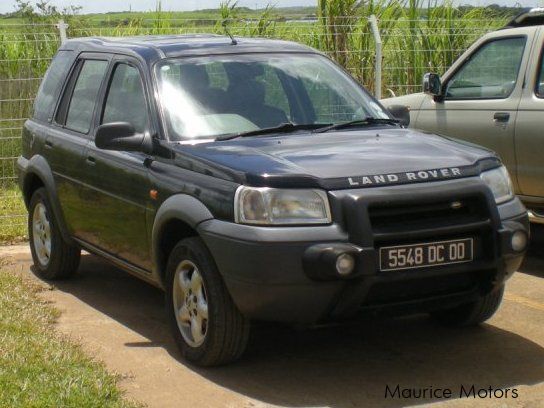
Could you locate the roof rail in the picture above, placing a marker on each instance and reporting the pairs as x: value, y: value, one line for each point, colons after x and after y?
x: 528, y: 17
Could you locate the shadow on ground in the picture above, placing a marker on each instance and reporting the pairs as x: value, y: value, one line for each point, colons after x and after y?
x: 341, y: 366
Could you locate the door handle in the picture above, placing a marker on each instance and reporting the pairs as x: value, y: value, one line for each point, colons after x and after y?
x: 48, y: 144
x: 501, y: 117
x: 91, y: 160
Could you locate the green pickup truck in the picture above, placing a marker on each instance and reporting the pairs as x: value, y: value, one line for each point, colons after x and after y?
x: 493, y: 95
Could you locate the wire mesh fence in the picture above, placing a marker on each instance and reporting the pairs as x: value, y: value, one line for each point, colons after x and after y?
x: 25, y: 53
x: 409, y: 49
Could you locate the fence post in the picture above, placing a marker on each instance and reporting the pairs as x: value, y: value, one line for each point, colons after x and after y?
x: 378, y: 67
x: 62, y: 26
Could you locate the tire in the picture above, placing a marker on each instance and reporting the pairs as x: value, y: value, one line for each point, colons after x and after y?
x: 53, y: 257
x: 472, y: 314
x: 220, y: 331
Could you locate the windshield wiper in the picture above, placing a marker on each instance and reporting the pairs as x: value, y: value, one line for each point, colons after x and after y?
x: 283, y: 128
x: 358, y: 122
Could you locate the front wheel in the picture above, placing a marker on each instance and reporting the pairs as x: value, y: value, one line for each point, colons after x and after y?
x: 208, y: 328
x: 474, y: 313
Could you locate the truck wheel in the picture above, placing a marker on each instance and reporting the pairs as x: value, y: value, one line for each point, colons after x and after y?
x: 53, y: 258
x: 474, y: 313
x: 208, y: 328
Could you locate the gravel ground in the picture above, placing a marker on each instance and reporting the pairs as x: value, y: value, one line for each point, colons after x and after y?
x: 119, y: 320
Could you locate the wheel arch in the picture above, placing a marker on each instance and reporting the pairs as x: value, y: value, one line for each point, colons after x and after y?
x: 176, y: 219
x: 38, y: 174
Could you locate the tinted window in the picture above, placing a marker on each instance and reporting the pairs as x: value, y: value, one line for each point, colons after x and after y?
x: 126, y: 101
x: 330, y: 106
x: 275, y: 95
x: 491, y: 72
x: 209, y: 96
x: 540, y: 83
x: 80, y: 111
x: 51, y: 85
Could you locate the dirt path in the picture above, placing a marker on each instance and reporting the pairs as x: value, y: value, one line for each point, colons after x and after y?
x: 120, y: 320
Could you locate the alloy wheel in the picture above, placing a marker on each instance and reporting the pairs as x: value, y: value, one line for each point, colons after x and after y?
x: 41, y: 233
x: 190, y: 303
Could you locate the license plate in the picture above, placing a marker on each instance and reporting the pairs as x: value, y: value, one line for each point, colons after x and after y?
x: 426, y: 255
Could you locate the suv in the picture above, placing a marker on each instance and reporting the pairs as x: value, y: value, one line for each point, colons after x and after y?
x: 494, y: 96
x: 256, y: 180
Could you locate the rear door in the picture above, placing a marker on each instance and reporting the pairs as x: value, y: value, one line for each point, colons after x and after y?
x: 117, y: 191
x: 530, y: 127
x: 482, y: 94
x: 69, y: 135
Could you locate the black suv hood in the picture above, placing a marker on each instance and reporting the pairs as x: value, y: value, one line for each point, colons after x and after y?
x: 345, y: 159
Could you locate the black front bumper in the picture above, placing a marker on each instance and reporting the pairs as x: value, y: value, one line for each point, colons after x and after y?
x: 288, y: 273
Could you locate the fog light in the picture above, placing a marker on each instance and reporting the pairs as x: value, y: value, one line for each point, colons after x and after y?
x: 345, y: 264
x: 518, y: 242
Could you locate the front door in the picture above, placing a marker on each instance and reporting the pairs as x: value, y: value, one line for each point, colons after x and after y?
x: 530, y: 129
x: 118, y: 186
x: 481, y: 98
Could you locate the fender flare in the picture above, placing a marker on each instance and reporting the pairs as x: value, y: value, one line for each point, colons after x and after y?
x: 180, y: 207
x: 37, y: 166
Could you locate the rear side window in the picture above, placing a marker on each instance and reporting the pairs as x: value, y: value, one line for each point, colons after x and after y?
x: 51, y: 85
x: 82, y: 103
x: 491, y: 72
x: 126, y: 99
x: 540, y: 81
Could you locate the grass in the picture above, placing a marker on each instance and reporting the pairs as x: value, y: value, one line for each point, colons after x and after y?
x: 12, y: 216
x: 38, y: 368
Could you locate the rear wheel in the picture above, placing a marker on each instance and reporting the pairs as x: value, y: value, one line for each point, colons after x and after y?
x: 474, y: 313
x: 53, y: 257
x: 208, y: 328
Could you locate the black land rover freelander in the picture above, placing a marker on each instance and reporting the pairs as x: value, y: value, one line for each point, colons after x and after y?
x: 258, y: 181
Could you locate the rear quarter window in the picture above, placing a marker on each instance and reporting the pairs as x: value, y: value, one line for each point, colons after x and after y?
x: 51, y: 85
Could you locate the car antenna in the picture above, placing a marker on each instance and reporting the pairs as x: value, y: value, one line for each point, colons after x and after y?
x: 226, y: 28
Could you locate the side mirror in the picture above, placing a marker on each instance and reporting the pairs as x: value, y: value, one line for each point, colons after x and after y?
x: 432, y: 84
x: 401, y: 113
x: 122, y: 136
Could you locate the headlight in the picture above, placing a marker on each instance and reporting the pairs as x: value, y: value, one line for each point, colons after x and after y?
x: 499, y: 182
x: 281, y: 206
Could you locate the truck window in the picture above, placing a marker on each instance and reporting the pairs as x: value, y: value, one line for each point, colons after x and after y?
x: 126, y: 99
x: 540, y: 79
x: 491, y: 72
x: 81, y: 108
x: 329, y: 105
x: 51, y: 85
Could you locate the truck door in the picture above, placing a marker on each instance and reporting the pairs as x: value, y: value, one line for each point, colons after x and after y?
x: 481, y: 96
x: 69, y: 136
x: 118, y: 184
x: 530, y: 128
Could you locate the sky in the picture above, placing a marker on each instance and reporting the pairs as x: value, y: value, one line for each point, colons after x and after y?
x: 100, y: 6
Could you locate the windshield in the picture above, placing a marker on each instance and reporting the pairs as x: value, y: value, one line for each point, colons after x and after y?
x: 206, y: 97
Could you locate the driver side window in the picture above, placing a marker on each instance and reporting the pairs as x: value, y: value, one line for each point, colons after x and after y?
x: 126, y: 99
x: 490, y: 73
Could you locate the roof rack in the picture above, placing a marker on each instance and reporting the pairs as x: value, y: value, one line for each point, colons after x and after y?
x: 528, y: 17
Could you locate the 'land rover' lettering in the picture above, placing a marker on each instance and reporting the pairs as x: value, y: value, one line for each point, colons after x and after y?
x: 414, y: 176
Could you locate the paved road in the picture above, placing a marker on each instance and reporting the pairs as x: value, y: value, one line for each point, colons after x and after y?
x: 120, y: 320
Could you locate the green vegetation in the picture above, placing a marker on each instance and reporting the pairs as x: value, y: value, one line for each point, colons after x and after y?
x: 12, y: 216
x: 37, y: 367
x: 418, y: 36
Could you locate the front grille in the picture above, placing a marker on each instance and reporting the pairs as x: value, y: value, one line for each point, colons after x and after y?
x: 393, y: 217
x: 395, y: 223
